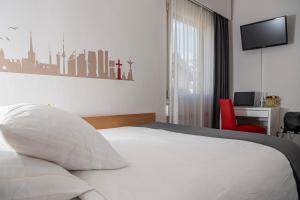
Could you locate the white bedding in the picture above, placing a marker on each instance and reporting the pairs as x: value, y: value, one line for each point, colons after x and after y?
x: 172, y: 166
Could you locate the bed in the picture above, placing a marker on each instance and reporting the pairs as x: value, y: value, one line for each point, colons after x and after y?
x: 169, y: 162
x: 138, y: 159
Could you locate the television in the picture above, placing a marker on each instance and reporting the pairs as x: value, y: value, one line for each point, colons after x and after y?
x: 268, y: 33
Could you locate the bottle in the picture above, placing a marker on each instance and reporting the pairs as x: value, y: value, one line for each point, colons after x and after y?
x: 263, y: 99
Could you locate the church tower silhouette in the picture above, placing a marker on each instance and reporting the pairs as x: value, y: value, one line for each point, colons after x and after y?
x: 31, y: 54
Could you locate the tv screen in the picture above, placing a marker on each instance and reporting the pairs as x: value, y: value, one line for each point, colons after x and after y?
x: 266, y: 33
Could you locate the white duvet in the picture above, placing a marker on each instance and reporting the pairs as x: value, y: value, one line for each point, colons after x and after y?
x: 172, y: 166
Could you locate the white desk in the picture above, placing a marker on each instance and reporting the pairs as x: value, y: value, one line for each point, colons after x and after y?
x: 269, y: 115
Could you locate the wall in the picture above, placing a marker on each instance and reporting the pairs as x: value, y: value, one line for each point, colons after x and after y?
x: 223, y: 7
x: 131, y: 28
x: 281, y: 64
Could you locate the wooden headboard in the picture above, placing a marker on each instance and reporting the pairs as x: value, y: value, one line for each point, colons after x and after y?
x: 114, y: 121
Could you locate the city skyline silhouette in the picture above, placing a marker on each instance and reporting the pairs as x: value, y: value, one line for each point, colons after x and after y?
x: 87, y: 64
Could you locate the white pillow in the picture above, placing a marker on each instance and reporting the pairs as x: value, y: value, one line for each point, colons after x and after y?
x: 54, y: 135
x: 92, y: 195
x: 28, y: 178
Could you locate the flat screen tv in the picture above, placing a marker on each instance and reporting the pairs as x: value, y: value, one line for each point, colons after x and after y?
x: 268, y: 33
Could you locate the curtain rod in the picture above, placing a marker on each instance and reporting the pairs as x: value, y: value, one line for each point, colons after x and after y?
x: 200, y: 4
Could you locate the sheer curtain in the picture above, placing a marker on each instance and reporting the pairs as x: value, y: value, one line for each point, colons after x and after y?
x: 191, y: 64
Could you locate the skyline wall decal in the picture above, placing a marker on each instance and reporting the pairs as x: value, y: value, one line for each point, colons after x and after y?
x: 87, y: 64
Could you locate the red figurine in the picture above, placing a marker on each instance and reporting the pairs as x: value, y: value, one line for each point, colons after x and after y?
x: 119, y: 69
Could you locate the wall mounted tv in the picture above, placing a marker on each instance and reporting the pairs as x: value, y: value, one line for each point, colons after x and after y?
x: 268, y: 33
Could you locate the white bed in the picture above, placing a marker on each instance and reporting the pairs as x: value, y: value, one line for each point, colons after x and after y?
x: 172, y: 166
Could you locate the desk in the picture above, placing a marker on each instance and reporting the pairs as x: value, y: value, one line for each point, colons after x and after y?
x: 269, y: 115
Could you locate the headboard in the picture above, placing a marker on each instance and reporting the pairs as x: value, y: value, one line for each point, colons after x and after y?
x: 114, y: 121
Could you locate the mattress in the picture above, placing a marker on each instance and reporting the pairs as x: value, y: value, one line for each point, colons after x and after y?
x: 167, y: 165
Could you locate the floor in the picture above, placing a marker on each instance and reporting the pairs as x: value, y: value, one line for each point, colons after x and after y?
x: 292, y: 137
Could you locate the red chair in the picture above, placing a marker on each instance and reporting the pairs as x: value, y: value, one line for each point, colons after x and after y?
x: 229, y: 120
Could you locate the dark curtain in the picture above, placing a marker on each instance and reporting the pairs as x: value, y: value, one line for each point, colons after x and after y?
x: 221, y: 82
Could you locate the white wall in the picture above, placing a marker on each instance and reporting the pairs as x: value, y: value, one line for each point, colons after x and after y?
x: 223, y: 7
x: 281, y: 64
x: 134, y: 28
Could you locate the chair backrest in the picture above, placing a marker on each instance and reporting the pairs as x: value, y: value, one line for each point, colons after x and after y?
x: 227, y: 114
x: 292, y: 122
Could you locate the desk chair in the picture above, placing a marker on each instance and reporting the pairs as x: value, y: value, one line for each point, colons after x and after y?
x: 229, y: 119
x: 292, y: 122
